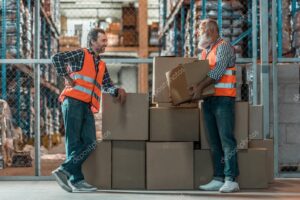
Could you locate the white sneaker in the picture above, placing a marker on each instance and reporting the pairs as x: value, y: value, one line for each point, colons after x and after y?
x: 82, y: 186
x: 230, y: 186
x: 213, y: 185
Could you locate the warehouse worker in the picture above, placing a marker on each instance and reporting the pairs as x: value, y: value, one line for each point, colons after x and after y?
x: 219, y: 109
x: 86, y: 76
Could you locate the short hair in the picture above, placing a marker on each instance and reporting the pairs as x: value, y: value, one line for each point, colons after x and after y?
x: 93, y: 35
x: 211, y: 25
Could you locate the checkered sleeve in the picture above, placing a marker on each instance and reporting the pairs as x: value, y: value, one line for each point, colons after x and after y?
x: 74, y: 59
x: 225, y: 59
x: 108, y: 86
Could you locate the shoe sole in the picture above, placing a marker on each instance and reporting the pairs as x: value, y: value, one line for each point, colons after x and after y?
x: 61, y: 183
x: 83, y: 190
x: 235, y: 190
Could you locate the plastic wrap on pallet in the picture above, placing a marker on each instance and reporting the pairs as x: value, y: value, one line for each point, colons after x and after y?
x: 286, y: 27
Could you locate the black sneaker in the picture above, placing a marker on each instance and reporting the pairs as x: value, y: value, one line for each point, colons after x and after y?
x: 62, y: 178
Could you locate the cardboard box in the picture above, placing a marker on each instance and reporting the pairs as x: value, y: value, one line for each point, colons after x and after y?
x: 97, y: 168
x: 240, y: 130
x: 174, y: 124
x: 162, y: 65
x: 203, y: 168
x: 183, y: 76
x: 169, y: 165
x: 125, y: 122
x: 269, y: 145
x: 252, y: 166
x: 128, y: 165
x: 256, y: 122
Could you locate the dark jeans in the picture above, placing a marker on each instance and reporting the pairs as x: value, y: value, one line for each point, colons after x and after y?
x: 219, y: 122
x: 80, y: 135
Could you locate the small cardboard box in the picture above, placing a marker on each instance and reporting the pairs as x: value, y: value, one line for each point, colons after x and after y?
x: 169, y: 165
x: 240, y: 130
x: 174, y: 124
x: 128, y: 165
x: 256, y: 122
x: 183, y: 76
x: 125, y: 122
x: 97, y: 168
x: 162, y: 65
x: 269, y: 145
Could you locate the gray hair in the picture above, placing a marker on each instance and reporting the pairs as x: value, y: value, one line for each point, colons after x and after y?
x: 210, y: 25
x: 93, y: 35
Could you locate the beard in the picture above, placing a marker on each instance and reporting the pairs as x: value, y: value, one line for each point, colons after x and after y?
x: 204, y: 41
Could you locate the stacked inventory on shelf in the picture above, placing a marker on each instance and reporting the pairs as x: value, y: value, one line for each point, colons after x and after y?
x: 286, y: 28
x: 27, y: 34
x: 129, y: 25
x: 296, y: 33
x: 182, y: 25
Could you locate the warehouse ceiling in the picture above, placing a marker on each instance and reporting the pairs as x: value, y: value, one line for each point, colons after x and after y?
x: 103, y: 8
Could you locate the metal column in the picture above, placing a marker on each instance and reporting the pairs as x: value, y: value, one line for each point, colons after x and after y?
x: 182, y: 16
x: 18, y: 73
x: 203, y: 16
x: 220, y: 16
x: 275, y: 89
x: 192, y: 2
x: 3, y: 68
x: 37, y: 82
x: 264, y: 47
x: 254, y: 51
x: 175, y: 37
x: 279, y: 24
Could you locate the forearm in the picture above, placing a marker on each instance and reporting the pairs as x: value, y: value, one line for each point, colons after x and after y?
x: 205, y: 82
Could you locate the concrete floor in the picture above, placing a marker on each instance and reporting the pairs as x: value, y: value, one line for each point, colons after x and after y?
x: 46, y: 190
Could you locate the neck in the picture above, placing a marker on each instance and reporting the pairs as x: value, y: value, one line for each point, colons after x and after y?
x: 95, y: 51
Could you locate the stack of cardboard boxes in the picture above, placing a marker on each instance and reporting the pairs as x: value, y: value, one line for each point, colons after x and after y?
x: 165, y: 146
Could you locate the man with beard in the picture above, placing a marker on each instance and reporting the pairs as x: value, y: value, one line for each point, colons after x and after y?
x: 86, y: 76
x: 219, y: 109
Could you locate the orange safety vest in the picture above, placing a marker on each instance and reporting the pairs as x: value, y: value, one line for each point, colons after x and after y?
x: 226, y: 86
x: 88, y: 83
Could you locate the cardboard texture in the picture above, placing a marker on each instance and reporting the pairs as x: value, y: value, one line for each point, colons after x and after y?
x: 169, y: 165
x: 252, y: 166
x: 97, y: 168
x: 183, y: 76
x: 174, y: 124
x: 241, y: 126
x: 162, y: 65
x: 269, y: 145
x: 125, y: 122
x: 128, y: 165
x: 256, y: 122
x: 170, y: 105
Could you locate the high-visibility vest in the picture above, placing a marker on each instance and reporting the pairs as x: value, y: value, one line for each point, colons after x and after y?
x: 88, y: 83
x: 226, y: 86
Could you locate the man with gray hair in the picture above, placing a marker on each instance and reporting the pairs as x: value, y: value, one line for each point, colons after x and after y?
x: 219, y: 108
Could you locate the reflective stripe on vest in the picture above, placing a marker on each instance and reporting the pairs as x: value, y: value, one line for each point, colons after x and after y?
x: 87, y: 79
x: 230, y: 72
x: 225, y: 85
x: 87, y: 91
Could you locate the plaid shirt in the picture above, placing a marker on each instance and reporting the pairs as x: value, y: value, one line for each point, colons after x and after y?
x: 225, y: 58
x: 74, y: 59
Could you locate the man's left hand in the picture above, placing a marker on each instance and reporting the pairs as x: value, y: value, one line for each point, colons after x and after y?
x: 196, y: 92
x: 121, y: 95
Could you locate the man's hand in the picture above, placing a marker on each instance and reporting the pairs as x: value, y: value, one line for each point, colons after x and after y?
x: 70, y: 81
x: 196, y: 92
x: 121, y: 96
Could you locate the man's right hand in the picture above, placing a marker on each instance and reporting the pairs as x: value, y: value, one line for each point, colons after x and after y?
x: 70, y: 82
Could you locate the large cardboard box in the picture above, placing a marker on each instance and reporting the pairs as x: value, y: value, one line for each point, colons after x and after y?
x: 174, y: 124
x: 169, y: 165
x: 241, y: 126
x: 269, y: 145
x: 256, y: 122
x: 252, y: 166
x: 160, y: 67
x: 183, y: 76
x: 125, y: 122
x: 97, y: 168
x: 128, y: 165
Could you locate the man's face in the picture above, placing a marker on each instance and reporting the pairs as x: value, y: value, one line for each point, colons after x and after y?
x: 204, y: 37
x: 100, y: 44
